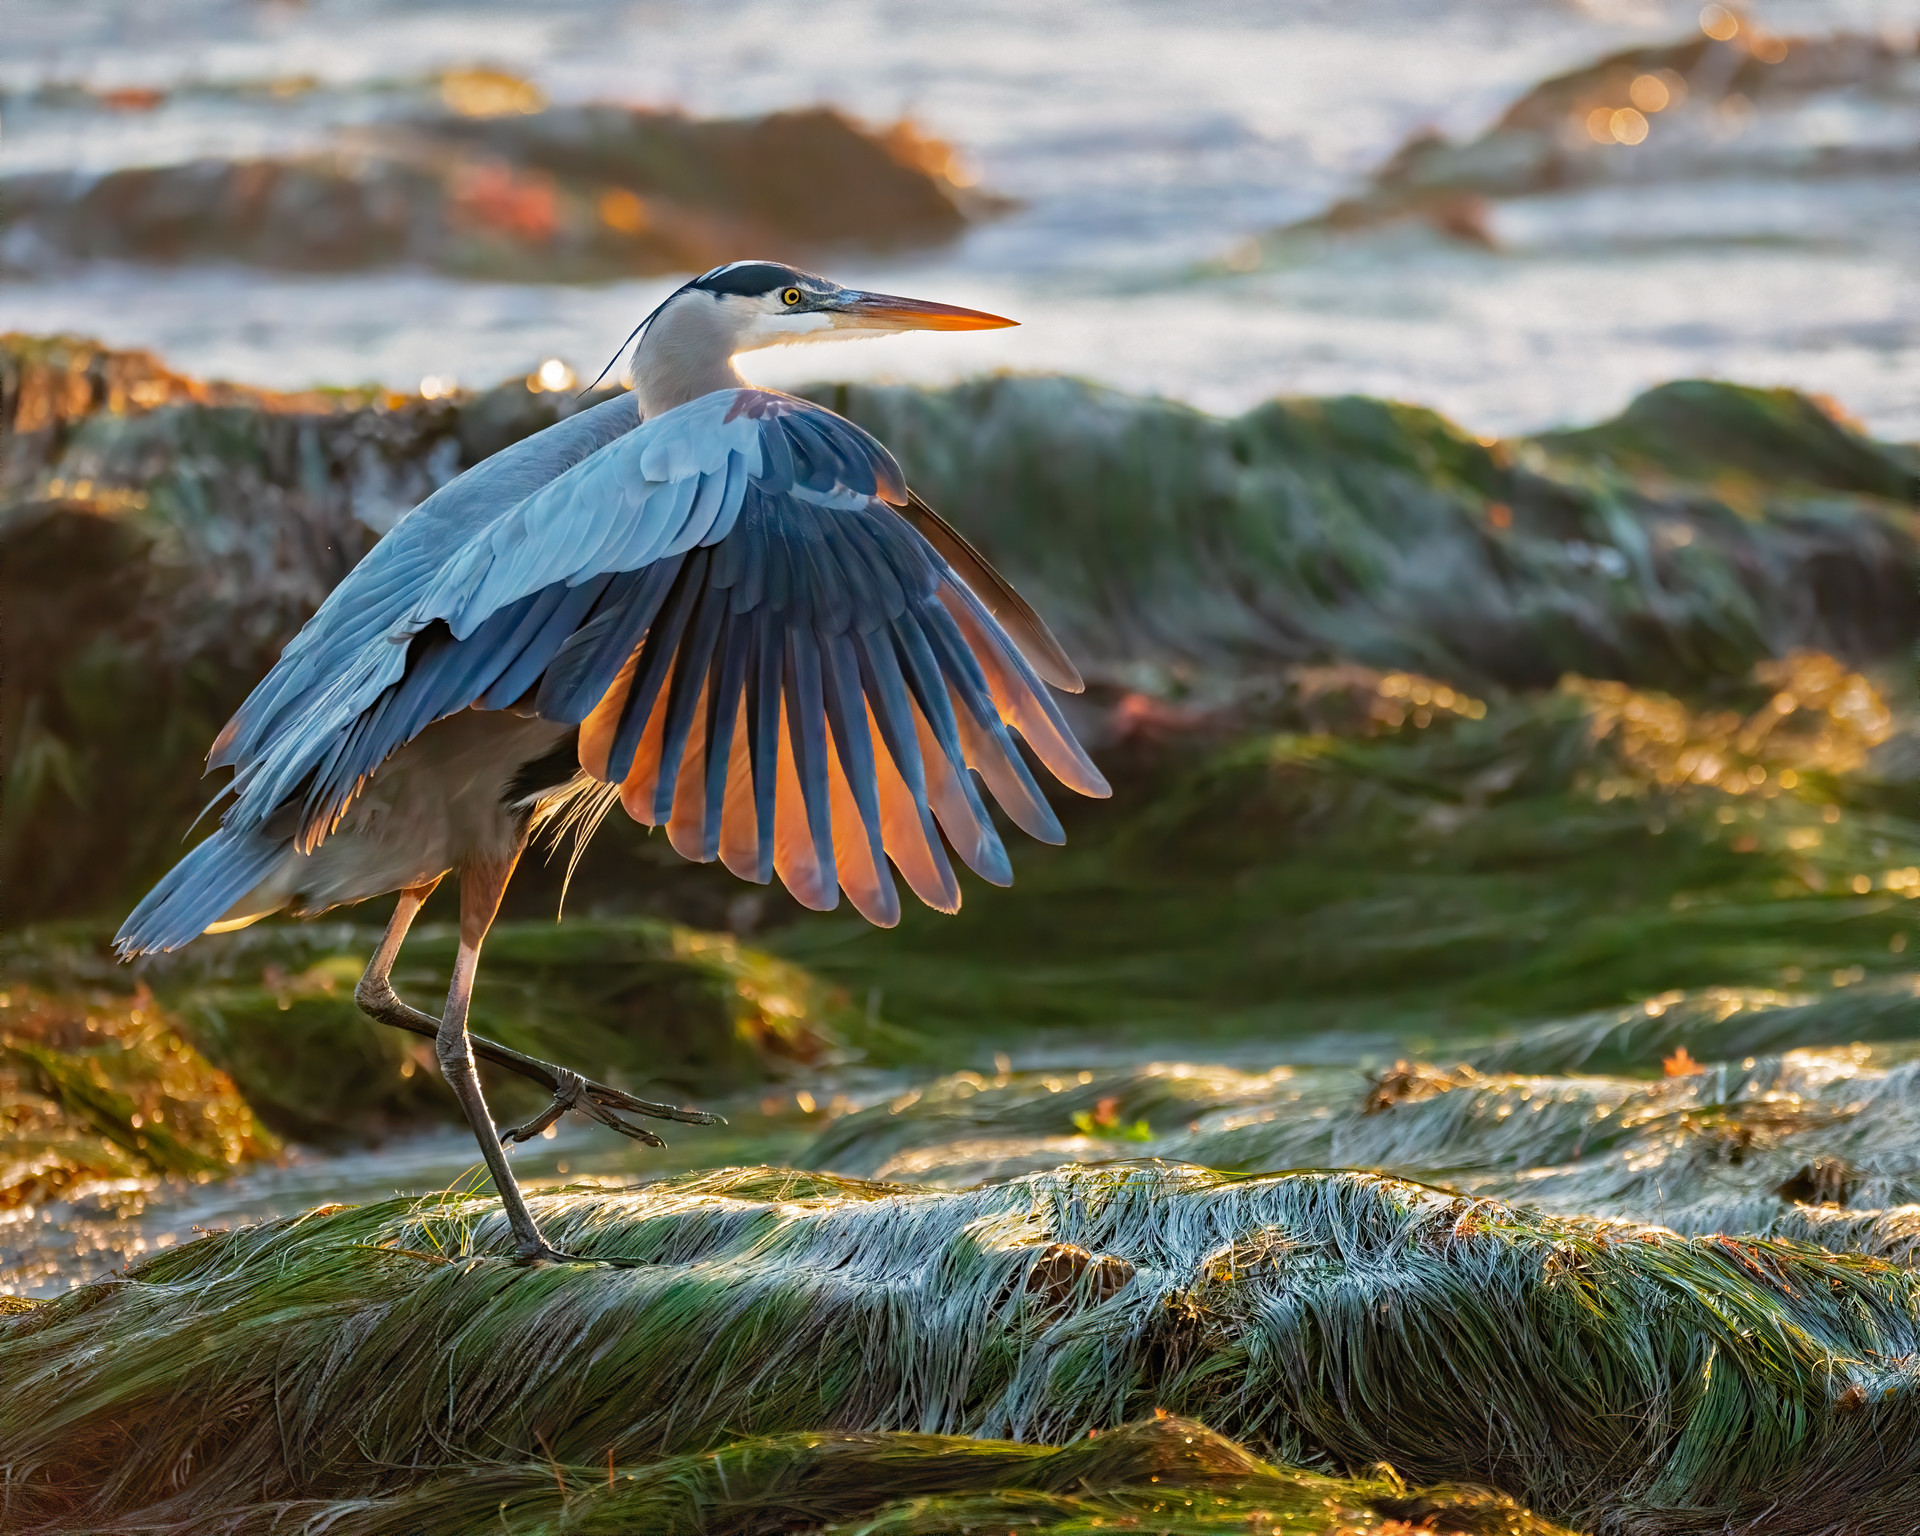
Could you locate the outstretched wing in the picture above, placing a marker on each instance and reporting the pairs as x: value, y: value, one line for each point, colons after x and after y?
x: 374, y: 603
x: 806, y: 697
x: 1023, y: 626
x: 474, y: 591
x: 759, y: 648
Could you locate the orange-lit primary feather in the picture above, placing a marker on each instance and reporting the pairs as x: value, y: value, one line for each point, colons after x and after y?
x: 878, y: 652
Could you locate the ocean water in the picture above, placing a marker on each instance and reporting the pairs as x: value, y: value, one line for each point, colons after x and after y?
x: 1150, y: 145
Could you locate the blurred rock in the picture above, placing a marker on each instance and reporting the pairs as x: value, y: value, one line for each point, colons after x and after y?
x: 101, y: 1094
x: 1179, y: 554
x: 1748, y: 104
x: 565, y: 194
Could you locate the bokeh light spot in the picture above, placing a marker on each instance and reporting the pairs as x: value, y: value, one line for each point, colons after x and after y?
x: 1719, y: 23
x: 1649, y: 93
x: 1628, y: 126
x: 552, y: 376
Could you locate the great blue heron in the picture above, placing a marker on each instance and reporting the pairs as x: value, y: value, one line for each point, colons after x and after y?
x: 718, y: 605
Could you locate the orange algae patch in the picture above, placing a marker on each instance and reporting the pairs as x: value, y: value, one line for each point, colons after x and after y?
x: 102, y: 1088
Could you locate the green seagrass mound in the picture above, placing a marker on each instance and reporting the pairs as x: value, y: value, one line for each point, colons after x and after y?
x: 1426, y: 873
x: 1161, y: 1474
x: 1612, y: 1377
x: 182, y: 1065
x: 1816, y: 1145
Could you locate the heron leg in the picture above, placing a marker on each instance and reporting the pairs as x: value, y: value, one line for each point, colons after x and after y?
x: 481, y: 886
x: 375, y: 993
x: 570, y: 1090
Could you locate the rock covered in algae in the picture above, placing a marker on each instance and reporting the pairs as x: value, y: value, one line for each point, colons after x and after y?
x: 160, y: 538
x: 1157, y: 537
x: 103, y: 1092
x: 652, y: 1007
x: 1608, y: 1376
x: 1358, y: 863
x: 564, y: 193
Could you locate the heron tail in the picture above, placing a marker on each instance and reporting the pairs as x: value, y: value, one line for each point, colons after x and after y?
x: 201, y: 891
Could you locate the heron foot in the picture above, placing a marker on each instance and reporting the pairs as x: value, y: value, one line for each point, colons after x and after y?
x: 599, y: 1102
x: 542, y: 1254
x: 570, y: 1090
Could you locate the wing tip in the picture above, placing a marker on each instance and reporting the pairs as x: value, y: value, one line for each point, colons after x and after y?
x: 945, y: 906
x: 825, y: 900
x: 1093, y: 785
x: 882, y: 914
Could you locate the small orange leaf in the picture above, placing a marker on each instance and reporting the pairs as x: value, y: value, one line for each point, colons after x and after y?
x: 1680, y: 1064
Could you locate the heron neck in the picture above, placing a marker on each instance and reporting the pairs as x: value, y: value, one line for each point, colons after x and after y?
x: 687, y: 352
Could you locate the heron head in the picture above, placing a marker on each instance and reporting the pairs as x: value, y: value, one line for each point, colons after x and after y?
x: 770, y: 304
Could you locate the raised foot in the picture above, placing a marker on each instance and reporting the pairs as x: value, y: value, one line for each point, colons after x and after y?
x: 569, y: 1089
x: 599, y: 1102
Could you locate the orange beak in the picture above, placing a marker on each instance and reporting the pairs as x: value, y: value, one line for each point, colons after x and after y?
x: 886, y: 312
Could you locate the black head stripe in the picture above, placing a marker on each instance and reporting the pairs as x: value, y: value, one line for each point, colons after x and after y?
x: 752, y: 278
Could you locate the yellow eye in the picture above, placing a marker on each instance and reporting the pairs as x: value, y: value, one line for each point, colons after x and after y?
x: 791, y: 296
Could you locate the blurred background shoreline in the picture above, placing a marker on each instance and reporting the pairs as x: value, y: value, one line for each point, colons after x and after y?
x: 1211, y: 202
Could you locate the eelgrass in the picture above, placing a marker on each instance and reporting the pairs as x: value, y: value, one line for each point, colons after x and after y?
x: 1714, y: 1024
x: 1162, y: 1474
x: 1428, y: 888
x: 967, y: 1106
x: 1742, y: 1148
x: 1613, y: 1377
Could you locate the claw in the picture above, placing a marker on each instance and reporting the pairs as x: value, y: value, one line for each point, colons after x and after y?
x: 567, y: 1092
x: 598, y: 1102
x: 594, y: 1110
x: 570, y: 1090
x: 613, y: 1098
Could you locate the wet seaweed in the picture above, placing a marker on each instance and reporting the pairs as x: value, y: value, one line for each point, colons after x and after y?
x: 1433, y: 878
x: 648, y: 1004
x: 1612, y: 1376
x: 1163, y: 1474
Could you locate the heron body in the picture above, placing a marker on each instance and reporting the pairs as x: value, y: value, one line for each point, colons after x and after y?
x: 718, y: 606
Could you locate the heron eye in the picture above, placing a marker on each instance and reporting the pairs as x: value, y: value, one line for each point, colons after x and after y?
x: 791, y: 296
